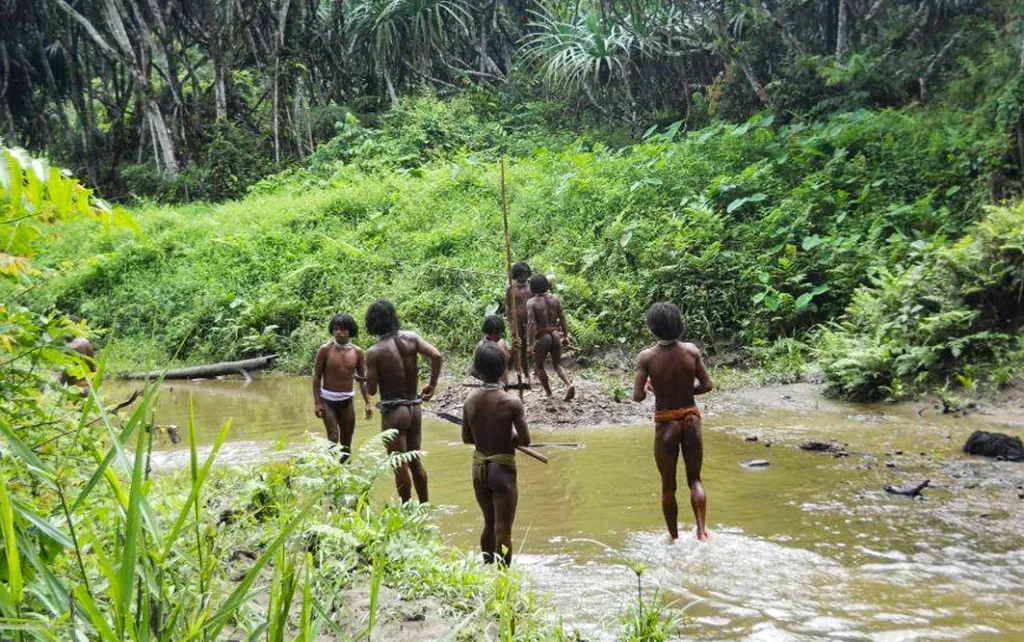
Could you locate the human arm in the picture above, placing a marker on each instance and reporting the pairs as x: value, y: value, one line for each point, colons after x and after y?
x: 467, y: 433
x: 704, y: 384
x: 521, y: 433
x: 562, y: 322
x: 318, y: 375
x: 432, y: 353
x: 640, y: 379
x: 361, y: 378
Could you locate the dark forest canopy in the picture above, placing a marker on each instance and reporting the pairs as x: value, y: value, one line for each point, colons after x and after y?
x: 139, y: 95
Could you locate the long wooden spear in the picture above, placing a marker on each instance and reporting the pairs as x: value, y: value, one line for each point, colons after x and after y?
x: 517, y: 354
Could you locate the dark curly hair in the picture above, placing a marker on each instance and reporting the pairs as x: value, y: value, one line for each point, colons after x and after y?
x: 539, y: 284
x: 494, y: 325
x: 664, y: 320
x: 381, y: 318
x: 520, y: 270
x: 489, y: 362
x: 344, y: 321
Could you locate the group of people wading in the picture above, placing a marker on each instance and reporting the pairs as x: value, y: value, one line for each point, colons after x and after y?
x: 495, y: 421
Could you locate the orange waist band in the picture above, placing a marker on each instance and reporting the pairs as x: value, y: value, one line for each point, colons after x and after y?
x: 675, y: 414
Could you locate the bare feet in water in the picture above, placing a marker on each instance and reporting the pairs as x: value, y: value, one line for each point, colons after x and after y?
x: 570, y: 393
x: 702, y: 535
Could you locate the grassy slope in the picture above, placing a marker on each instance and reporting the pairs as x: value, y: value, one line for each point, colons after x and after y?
x: 757, y: 232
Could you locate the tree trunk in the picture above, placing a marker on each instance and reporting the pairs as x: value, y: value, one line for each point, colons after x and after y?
x: 211, y: 370
x: 842, y: 30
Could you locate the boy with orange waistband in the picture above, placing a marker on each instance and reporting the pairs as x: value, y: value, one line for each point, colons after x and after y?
x: 670, y: 370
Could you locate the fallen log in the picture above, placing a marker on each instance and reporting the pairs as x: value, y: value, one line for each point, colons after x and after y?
x: 209, y: 370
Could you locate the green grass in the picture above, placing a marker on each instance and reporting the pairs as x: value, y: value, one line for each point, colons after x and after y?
x: 759, y: 233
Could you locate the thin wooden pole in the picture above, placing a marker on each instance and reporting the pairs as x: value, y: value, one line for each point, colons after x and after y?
x: 516, y: 354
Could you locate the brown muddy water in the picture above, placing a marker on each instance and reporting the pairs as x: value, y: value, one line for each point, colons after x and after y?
x: 809, y: 548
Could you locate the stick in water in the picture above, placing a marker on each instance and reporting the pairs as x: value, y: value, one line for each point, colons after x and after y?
x: 455, y: 419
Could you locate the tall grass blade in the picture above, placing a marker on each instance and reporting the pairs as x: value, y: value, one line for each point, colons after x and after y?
x: 93, y: 614
x: 305, y: 617
x: 231, y: 605
x: 197, y: 484
x: 118, y: 440
x: 131, y: 530
x: 14, y: 580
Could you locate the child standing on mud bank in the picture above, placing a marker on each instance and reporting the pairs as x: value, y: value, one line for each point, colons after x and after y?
x: 495, y: 423
x: 672, y: 367
x: 339, y: 363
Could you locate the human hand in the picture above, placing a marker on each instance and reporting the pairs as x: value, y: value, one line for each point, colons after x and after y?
x: 427, y: 392
x: 649, y: 387
x: 368, y: 411
x: 530, y: 351
x: 319, y: 410
x: 565, y: 341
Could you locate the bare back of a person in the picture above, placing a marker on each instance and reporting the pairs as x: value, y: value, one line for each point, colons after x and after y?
x: 673, y: 368
x: 546, y: 314
x: 395, y: 361
x: 673, y: 371
x: 397, y: 364
x: 490, y: 416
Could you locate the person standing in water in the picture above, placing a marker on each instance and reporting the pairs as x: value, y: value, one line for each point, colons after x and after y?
x: 392, y: 364
x: 495, y: 423
x: 547, y: 332
x: 672, y: 368
x: 516, y: 297
x: 338, y: 363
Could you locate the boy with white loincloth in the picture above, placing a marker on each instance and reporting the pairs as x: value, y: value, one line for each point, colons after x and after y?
x: 338, y: 363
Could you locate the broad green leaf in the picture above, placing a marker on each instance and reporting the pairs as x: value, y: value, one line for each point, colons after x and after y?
x: 803, y: 300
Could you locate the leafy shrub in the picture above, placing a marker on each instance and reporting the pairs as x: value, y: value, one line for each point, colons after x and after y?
x: 954, y: 308
x: 757, y: 232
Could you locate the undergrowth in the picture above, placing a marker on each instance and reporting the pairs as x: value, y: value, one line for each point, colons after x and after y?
x: 758, y: 232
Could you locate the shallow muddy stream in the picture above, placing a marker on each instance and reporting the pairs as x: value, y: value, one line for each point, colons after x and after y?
x: 809, y: 548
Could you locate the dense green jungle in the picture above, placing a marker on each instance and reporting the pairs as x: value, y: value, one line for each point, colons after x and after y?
x: 829, y: 191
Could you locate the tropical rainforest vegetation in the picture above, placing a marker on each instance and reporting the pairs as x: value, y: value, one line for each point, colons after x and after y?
x: 828, y: 183
x: 190, y: 100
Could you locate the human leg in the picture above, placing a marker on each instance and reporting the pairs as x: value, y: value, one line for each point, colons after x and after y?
x: 346, y: 414
x: 666, y: 454
x: 541, y: 347
x: 692, y: 448
x: 413, y: 441
x: 502, y: 481
x: 556, y: 362
x: 486, y: 502
x: 398, y: 419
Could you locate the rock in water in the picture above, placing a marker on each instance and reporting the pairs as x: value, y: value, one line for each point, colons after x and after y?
x: 755, y: 463
x: 995, y: 444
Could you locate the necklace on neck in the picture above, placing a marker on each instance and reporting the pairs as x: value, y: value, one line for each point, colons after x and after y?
x: 343, y: 346
x: 492, y: 386
x: 667, y: 342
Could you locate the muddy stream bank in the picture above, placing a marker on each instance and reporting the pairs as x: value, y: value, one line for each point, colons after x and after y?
x: 808, y: 548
